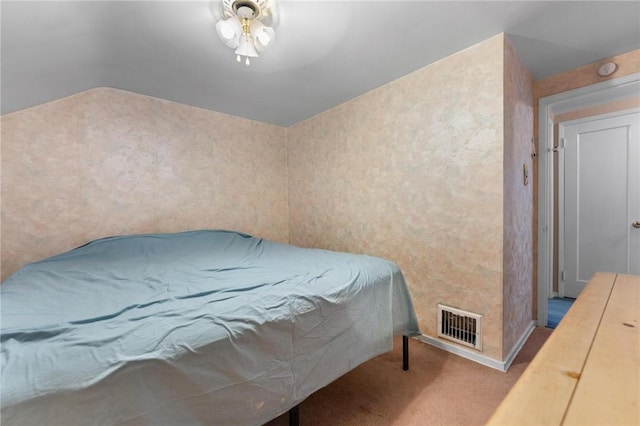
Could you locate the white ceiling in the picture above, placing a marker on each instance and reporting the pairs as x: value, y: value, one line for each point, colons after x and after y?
x: 325, y: 52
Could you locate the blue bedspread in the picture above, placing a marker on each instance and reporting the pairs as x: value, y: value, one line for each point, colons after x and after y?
x: 202, y: 327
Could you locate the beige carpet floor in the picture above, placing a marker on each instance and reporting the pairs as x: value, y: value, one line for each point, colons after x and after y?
x: 439, y: 389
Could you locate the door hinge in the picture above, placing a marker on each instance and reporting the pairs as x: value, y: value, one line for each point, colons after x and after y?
x: 562, y: 276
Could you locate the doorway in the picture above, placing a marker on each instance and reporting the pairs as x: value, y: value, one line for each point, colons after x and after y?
x: 600, y: 198
x: 549, y: 144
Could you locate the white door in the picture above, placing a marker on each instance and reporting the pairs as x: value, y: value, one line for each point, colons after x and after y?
x: 602, y: 199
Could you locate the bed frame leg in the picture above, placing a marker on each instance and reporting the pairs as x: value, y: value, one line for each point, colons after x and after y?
x: 294, y: 416
x: 405, y: 353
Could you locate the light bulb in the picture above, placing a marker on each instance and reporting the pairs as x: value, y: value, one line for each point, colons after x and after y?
x: 238, y: 58
x: 247, y: 61
x: 245, y: 12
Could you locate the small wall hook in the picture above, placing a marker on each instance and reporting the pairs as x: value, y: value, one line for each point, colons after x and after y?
x: 533, y: 148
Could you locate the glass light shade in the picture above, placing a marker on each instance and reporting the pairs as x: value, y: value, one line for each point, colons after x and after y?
x: 226, y: 31
x: 263, y: 35
x: 229, y: 31
x: 246, y: 47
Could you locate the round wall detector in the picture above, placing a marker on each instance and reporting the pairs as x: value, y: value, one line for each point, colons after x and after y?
x: 607, y: 69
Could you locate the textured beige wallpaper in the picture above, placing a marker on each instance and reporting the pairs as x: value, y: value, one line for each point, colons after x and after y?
x: 425, y: 171
x: 518, y: 199
x: 413, y: 171
x: 107, y: 162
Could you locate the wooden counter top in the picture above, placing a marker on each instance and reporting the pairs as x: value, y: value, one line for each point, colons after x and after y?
x: 588, y: 371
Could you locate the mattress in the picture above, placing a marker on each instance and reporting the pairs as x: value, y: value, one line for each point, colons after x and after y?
x: 201, y: 327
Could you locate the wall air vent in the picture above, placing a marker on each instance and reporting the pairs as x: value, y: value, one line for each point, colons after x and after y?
x: 460, y: 326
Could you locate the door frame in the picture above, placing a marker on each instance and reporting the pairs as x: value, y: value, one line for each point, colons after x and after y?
x: 572, y: 100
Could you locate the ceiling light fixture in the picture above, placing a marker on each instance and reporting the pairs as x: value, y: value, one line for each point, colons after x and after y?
x: 247, y: 26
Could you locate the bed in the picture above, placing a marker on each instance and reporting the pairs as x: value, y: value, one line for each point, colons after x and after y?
x: 202, y: 327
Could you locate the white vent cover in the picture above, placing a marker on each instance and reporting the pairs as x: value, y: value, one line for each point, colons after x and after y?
x: 460, y: 326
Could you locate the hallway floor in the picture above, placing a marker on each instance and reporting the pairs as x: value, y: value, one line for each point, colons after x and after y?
x: 557, y: 308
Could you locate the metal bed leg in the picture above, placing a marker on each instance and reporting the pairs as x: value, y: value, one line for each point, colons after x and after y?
x: 405, y: 353
x: 294, y: 416
x: 294, y: 413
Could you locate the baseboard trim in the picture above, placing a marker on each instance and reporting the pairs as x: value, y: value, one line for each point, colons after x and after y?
x: 476, y: 356
x: 519, y: 344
